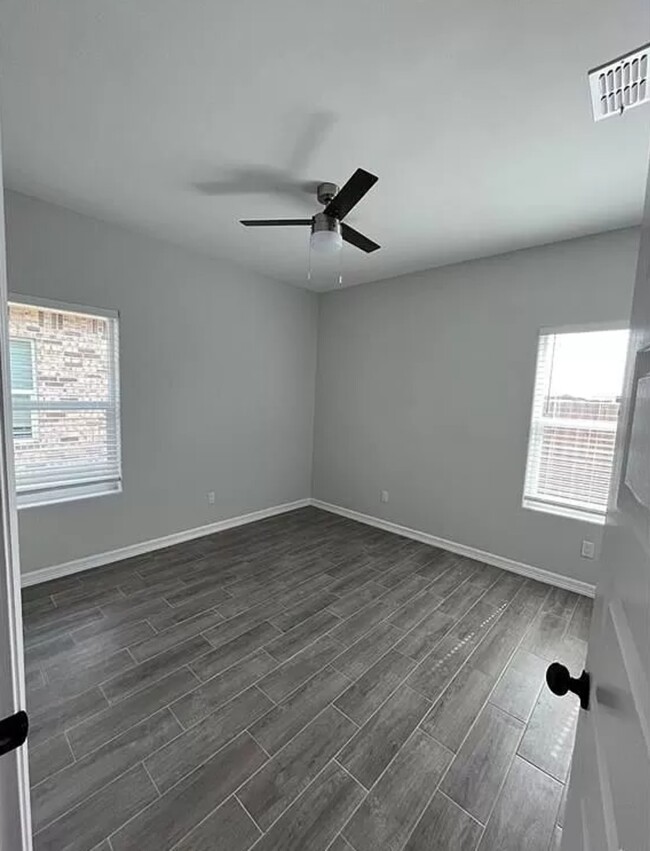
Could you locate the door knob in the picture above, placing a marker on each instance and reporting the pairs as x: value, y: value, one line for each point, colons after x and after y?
x: 13, y: 732
x: 560, y: 681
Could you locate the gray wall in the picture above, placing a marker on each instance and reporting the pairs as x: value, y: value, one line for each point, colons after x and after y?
x: 424, y: 388
x: 217, y: 372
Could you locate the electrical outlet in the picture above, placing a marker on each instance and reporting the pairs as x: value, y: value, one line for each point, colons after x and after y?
x: 384, y: 496
x: 211, y: 497
x: 588, y: 549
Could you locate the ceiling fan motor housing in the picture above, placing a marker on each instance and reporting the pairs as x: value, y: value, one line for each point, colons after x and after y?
x: 321, y: 222
x: 326, y: 191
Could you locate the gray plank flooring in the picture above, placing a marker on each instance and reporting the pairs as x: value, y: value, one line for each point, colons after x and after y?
x: 391, y: 810
x: 515, y: 825
x: 304, y: 682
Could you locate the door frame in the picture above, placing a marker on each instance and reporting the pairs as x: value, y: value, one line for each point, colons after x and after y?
x: 15, y: 789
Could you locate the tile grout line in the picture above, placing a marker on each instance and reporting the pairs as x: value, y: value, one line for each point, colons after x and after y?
x: 80, y: 803
x: 339, y: 835
x: 148, y: 773
x: 288, y: 807
x: 378, y: 780
x: 169, y: 707
x: 248, y: 813
x: 126, y: 729
x: 182, y: 665
x: 349, y: 773
x: 467, y: 813
x: 284, y: 746
x: 345, y: 715
x: 230, y: 797
x: 436, y: 790
x: 259, y: 744
x: 562, y: 783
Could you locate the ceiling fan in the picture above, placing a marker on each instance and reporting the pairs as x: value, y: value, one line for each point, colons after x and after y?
x: 328, y: 231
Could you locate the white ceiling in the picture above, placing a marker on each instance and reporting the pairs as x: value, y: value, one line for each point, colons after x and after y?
x: 475, y: 115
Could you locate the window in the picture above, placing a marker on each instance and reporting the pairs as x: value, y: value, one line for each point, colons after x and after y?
x: 573, y: 429
x: 21, y: 355
x: 65, y: 399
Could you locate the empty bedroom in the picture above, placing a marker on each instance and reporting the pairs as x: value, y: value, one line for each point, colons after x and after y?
x: 324, y: 426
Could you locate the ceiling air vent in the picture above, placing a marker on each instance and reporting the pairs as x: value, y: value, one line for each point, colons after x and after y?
x: 621, y: 84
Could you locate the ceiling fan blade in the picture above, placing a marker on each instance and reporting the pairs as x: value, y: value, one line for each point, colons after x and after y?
x: 311, y: 137
x: 353, y: 191
x: 271, y: 223
x: 358, y: 239
x: 259, y: 180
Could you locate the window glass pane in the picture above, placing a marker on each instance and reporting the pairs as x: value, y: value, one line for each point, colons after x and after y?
x: 22, y: 425
x: 575, y: 412
x: 64, y: 382
x: 22, y: 365
x: 21, y: 356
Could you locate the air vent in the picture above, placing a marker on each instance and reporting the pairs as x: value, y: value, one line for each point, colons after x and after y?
x: 620, y: 85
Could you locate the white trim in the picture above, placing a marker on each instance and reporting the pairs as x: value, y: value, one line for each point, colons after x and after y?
x: 579, y: 328
x: 606, y: 799
x: 15, y: 772
x: 558, y: 510
x: 44, y: 574
x: 522, y: 569
x: 62, y: 306
x: 634, y: 667
x: 54, y: 496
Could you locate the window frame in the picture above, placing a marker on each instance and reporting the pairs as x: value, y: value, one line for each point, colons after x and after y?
x: 553, y: 507
x: 92, y: 488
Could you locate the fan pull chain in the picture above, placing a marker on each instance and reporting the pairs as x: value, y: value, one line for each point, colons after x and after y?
x: 340, y: 274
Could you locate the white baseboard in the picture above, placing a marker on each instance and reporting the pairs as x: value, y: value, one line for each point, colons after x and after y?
x: 527, y: 570
x: 44, y: 574
x: 35, y: 577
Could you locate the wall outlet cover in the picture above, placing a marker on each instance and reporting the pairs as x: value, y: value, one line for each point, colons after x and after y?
x: 384, y: 496
x: 588, y: 549
x: 211, y: 497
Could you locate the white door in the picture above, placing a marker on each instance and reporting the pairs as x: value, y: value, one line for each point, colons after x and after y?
x: 608, y: 806
x: 15, y: 825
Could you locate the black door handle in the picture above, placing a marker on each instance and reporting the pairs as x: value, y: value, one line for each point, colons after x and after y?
x: 560, y: 681
x: 13, y: 732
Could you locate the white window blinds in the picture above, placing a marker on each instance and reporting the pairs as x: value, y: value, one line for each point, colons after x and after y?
x: 573, y: 429
x: 65, y: 400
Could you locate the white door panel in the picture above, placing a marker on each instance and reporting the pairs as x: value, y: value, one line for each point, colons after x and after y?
x: 15, y: 828
x: 608, y: 806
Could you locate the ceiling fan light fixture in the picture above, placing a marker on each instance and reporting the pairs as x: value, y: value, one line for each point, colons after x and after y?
x: 326, y: 234
x: 326, y: 241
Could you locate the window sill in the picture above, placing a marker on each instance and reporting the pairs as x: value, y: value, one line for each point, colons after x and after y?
x: 61, y: 495
x: 565, y: 511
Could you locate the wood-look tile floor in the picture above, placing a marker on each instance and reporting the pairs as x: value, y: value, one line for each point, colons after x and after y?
x: 300, y: 684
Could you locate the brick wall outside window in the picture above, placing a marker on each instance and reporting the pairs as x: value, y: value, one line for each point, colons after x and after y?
x: 71, y: 361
